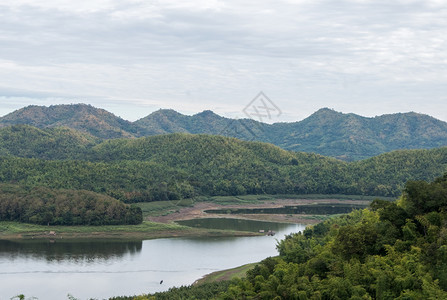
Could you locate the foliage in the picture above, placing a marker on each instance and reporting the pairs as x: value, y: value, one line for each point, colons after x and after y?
x: 116, y: 231
x: 327, y: 132
x: 81, y: 117
x: 194, y: 292
x: 45, y: 206
x: 394, y: 250
x: 179, y: 166
x: 176, y: 166
x: 48, y: 143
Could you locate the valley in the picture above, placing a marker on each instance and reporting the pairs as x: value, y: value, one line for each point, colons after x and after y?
x: 63, y: 188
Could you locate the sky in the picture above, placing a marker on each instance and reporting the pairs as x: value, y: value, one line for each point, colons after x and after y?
x: 134, y: 57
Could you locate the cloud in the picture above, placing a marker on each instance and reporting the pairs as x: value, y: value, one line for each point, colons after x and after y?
x: 368, y: 57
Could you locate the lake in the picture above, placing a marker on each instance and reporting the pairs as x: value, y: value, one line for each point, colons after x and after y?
x: 101, y: 269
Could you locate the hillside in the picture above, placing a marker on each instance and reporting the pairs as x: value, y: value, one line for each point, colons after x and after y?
x: 82, y: 117
x: 41, y: 205
x: 179, y: 166
x: 47, y: 143
x: 349, y: 136
x: 327, y: 132
x: 207, y: 122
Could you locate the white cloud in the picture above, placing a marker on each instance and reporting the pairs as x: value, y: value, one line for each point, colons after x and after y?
x: 368, y: 57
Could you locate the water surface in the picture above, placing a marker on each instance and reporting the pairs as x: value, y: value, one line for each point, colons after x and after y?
x: 235, y: 224
x: 101, y: 269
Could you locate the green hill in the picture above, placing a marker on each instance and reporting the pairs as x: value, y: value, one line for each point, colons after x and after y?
x: 178, y: 166
x: 82, y: 117
x: 327, y: 132
x: 47, y: 143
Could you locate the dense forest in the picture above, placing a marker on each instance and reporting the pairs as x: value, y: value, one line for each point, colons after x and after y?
x: 45, y: 206
x: 179, y: 166
x: 393, y: 250
x: 326, y: 132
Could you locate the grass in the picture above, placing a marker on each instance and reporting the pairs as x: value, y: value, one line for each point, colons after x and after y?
x: 15, y: 227
x: 238, y: 272
x: 163, y: 208
x: 146, y: 230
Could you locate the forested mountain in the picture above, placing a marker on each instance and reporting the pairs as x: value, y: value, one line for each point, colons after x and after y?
x: 178, y: 166
x: 82, y: 117
x: 327, y: 132
x: 166, y: 121
x: 350, y: 136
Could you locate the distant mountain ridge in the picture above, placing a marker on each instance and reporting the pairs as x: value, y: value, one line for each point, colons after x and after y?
x: 326, y: 132
x: 86, y: 118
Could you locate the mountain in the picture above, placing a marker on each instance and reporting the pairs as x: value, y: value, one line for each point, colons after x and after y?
x: 82, y: 117
x: 326, y: 132
x: 166, y: 121
x: 353, y: 137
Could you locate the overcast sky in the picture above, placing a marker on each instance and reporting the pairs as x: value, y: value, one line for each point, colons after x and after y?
x: 136, y: 56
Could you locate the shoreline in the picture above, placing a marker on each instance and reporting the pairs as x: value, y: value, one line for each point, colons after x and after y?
x: 163, y: 225
x: 144, y: 231
x: 227, y: 274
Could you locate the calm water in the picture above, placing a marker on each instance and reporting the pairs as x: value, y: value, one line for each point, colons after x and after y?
x: 101, y: 269
x: 235, y: 224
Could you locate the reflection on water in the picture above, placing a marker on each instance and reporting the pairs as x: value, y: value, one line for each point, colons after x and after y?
x: 62, y: 250
x: 102, y: 269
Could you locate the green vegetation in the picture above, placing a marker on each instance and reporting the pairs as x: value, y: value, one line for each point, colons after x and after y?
x: 204, y: 291
x: 353, y: 137
x: 238, y: 272
x: 81, y: 117
x: 326, y: 132
x: 394, y: 250
x: 162, y: 208
x: 145, y: 229
x: 44, y: 206
x: 178, y: 166
x: 48, y: 143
